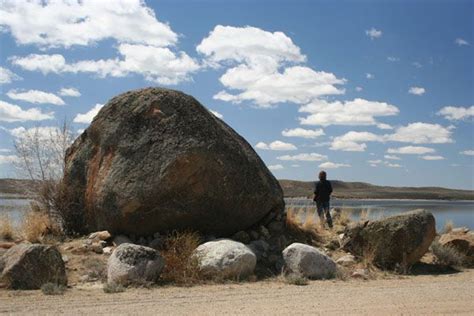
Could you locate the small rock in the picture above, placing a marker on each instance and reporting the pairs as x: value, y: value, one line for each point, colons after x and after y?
x: 65, y: 258
x: 97, y: 248
x: 346, y: 260
x: 308, y: 262
x: 242, y: 237
x: 107, y: 250
x: 134, y: 264
x: 156, y: 235
x: 102, y: 235
x: 6, y: 245
x: 264, y: 232
x: 121, y: 239
x: 226, y: 258
x: 156, y: 243
x: 333, y: 244
x: 360, y: 274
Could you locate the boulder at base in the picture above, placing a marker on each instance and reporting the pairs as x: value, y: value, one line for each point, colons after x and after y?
x: 225, y: 258
x: 156, y: 160
x: 308, y: 261
x: 396, y: 241
x: 29, y: 266
x: 132, y: 264
x: 462, y: 241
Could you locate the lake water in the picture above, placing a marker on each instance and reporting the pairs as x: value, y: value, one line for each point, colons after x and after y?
x: 461, y: 213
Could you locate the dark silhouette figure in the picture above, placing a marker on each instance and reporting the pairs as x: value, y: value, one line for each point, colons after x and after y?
x: 322, y: 196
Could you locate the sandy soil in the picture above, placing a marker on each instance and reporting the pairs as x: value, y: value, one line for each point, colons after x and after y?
x: 426, y: 294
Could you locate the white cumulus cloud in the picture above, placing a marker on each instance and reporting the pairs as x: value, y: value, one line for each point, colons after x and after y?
x: 411, y: 150
x: 35, y: 96
x: 217, y: 114
x: 392, y: 157
x: 275, y: 167
x: 454, y: 113
x: 7, y: 76
x: 13, y: 113
x: 303, y: 157
x: 332, y: 165
x: 304, y: 133
x: 276, y: 145
x: 369, y: 76
x: 416, y: 90
x: 461, y: 42
x: 422, y: 133
x: 469, y: 152
x: 69, y: 92
x: 432, y: 157
x: 86, y: 118
x: 373, y: 33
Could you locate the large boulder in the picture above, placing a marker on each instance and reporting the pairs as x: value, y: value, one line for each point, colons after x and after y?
x: 225, y: 258
x: 157, y: 160
x: 29, y: 266
x: 396, y: 241
x: 308, y: 261
x: 132, y: 264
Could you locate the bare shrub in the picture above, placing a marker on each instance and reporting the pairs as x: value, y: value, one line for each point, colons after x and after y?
x: 181, y: 266
x: 343, y: 218
x: 448, y: 227
x: 53, y: 289
x: 36, y: 225
x: 447, y: 255
x: 7, y: 231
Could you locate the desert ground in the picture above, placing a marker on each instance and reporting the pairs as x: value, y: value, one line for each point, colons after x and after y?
x: 408, y: 295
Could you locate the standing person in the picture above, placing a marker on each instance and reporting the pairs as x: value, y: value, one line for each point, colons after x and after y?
x: 322, y: 195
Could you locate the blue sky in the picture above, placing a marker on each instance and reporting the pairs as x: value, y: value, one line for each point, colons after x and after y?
x: 373, y: 91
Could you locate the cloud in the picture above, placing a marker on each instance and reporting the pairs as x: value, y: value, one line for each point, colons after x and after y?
x: 275, y: 167
x: 217, y: 114
x: 303, y: 157
x: 358, y: 89
x: 51, y: 24
x: 461, y: 42
x: 35, y: 96
x: 332, y: 165
x: 454, y: 113
x: 392, y: 157
x: 156, y: 64
x: 69, y: 92
x: 411, y: 150
x: 43, y: 133
x: 469, y: 152
x: 13, y: 113
x: 417, y: 64
x: 355, y: 112
x: 432, y: 157
x: 6, y: 159
x: 369, y: 76
x: 86, y: 118
x: 276, y: 145
x: 393, y: 59
x: 304, y: 133
x: 393, y: 165
x: 262, y: 67
x: 373, y: 33
x: 422, y: 133
x: 354, y: 141
x: 384, y: 126
x: 416, y: 90
x: 6, y: 76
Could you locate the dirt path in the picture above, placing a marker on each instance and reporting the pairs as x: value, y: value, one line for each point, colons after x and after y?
x: 443, y: 294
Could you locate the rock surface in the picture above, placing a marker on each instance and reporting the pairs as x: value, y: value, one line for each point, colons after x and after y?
x: 308, y: 262
x: 29, y: 266
x: 396, y: 241
x: 462, y: 241
x: 132, y: 264
x: 225, y: 258
x: 156, y: 160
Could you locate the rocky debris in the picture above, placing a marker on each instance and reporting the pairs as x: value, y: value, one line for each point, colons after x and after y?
x: 346, y: 260
x: 309, y: 262
x: 462, y: 241
x: 29, y: 266
x: 157, y: 160
x: 225, y: 258
x: 102, y: 235
x: 132, y: 264
x: 107, y: 250
x: 396, y: 241
x: 360, y: 274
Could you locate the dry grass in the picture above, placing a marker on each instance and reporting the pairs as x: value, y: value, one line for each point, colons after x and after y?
x: 181, y: 266
x: 295, y: 279
x: 36, y: 226
x: 53, y: 289
x: 113, y: 288
x: 343, y: 218
x: 7, y: 231
x: 447, y: 255
x: 448, y: 227
x: 310, y: 227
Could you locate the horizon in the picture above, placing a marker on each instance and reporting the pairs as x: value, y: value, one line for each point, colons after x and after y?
x: 373, y: 92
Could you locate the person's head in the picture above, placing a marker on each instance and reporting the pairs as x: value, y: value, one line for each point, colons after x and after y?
x: 322, y: 175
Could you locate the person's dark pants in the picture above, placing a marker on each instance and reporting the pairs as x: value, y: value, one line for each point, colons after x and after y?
x: 323, y: 208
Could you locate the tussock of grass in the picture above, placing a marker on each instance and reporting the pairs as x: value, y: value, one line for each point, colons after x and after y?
x: 53, y: 289
x: 295, y: 279
x: 111, y: 288
x: 7, y: 231
x: 181, y: 266
x: 447, y: 255
x: 448, y: 227
x: 35, y: 226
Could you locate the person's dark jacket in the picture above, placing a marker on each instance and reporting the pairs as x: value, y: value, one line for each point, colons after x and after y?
x: 322, y: 191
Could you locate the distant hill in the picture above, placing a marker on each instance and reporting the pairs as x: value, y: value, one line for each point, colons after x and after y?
x: 291, y: 188
x: 360, y: 190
